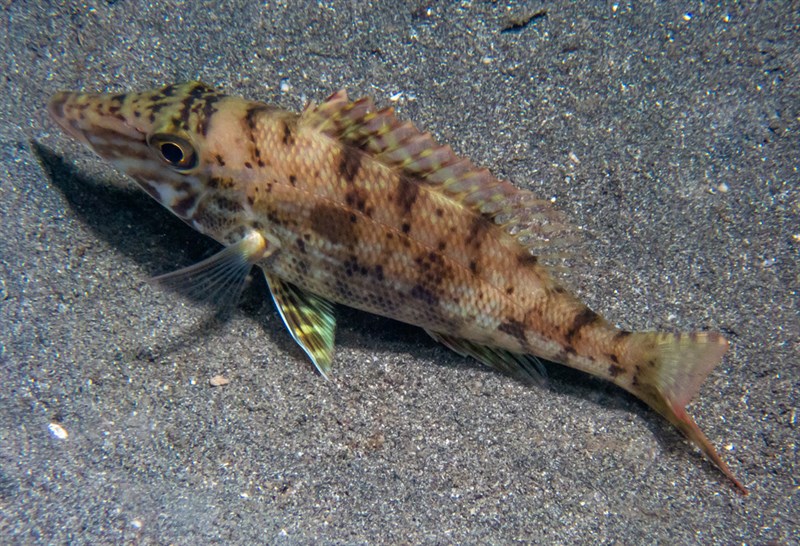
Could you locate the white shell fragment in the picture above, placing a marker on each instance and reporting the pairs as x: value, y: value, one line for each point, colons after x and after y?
x: 58, y: 431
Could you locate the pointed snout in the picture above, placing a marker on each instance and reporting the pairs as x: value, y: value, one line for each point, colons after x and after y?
x: 85, y: 115
x: 61, y: 111
x: 56, y: 105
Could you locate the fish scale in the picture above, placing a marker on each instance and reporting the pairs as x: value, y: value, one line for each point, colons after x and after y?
x: 346, y: 203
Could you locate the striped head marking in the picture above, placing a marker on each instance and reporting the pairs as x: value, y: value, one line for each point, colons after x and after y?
x: 158, y: 137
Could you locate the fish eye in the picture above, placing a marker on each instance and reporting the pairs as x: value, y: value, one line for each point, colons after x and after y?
x: 177, y: 152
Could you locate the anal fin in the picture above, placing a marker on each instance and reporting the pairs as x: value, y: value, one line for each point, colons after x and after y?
x: 309, y: 318
x: 520, y: 366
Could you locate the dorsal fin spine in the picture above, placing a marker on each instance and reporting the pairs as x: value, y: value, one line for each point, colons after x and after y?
x: 415, y: 154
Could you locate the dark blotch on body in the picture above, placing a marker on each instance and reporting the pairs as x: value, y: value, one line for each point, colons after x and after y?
x: 181, y: 208
x: 334, y: 224
x: 406, y: 196
x: 514, y: 328
x: 350, y: 163
x: 288, y: 136
x: 229, y: 205
x: 208, y: 110
x: 621, y: 335
x: 251, y: 116
x: 615, y: 370
x: 199, y: 89
x: 182, y: 119
x: 351, y: 266
x: 637, y: 372
x: 156, y: 107
x: 357, y: 198
x: 424, y: 294
x: 585, y: 317
x: 477, y: 231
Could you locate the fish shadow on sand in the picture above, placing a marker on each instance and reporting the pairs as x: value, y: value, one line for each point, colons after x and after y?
x: 130, y: 221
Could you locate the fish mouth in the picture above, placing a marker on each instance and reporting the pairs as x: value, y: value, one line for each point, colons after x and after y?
x: 92, y: 118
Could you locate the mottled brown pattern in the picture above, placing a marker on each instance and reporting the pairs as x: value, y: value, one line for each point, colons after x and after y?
x: 363, y: 209
x: 424, y: 294
x: 182, y: 207
x: 433, y: 269
x: 206, y: 112
x: 228, y: 205
x: 359, y: 199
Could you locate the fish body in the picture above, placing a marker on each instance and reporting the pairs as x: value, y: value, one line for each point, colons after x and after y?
x: 345, y: 203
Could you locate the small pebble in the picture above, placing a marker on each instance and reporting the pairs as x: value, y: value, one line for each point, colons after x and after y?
x: 218, y: 381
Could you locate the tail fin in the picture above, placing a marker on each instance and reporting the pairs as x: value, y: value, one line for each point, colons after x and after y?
x: 670, y: 369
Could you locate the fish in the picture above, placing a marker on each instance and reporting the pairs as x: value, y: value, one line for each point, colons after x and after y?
x: 344, y: 203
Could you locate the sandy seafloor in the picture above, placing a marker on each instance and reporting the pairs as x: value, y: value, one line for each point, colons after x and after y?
x: 669, y: 131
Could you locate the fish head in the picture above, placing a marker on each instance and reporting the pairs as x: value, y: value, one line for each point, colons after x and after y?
x: 173, y: 141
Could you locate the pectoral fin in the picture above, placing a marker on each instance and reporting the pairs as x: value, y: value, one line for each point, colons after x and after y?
x: 521, y: 366
x: 309, y: 319
x: 220, y: 278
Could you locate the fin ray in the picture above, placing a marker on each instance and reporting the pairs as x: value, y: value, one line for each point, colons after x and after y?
x: 220, y: 278
x: 672, y: 370
x: 521, y: 366
x: 309, y: 319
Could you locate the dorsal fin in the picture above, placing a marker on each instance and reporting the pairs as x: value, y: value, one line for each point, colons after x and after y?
x: 534, y: 222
